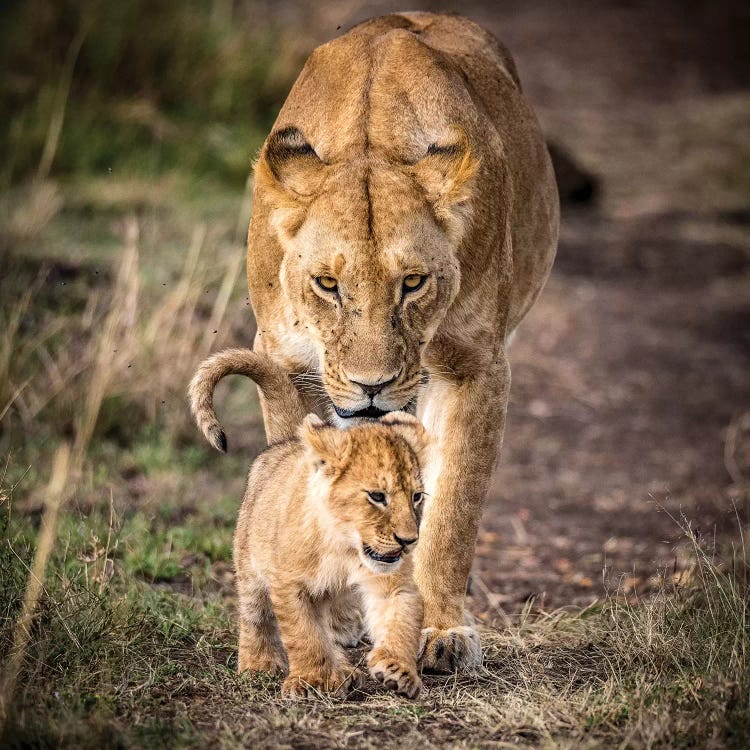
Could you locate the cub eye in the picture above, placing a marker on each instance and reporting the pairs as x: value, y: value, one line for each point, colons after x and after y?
x: 417, y: 497
x: 377, y: 497
x: 327, y: 283
x: 413, y: 281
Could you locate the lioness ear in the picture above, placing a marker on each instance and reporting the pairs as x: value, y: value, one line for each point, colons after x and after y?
x: 446, y: 173
x: 289, y: 164
x: 329, y: 445
x: 411, y: 430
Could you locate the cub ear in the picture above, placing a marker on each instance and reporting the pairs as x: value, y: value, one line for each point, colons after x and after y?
x: 411, y: 430
x: 289, y: 164
x: 329, y: 445
x: 446, y: 174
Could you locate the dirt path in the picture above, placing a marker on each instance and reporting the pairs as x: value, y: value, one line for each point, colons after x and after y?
x: 625, y: 380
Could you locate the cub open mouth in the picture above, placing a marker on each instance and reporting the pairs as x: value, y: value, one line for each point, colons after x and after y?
x: 371, y: 412
x: 390, y: 558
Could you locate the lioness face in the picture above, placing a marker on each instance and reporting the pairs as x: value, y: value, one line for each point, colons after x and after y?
x: 376, y: 491
x: 370, y: 309
x: 369, y: 269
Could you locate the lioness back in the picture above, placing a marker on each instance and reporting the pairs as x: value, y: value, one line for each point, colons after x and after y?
x: 411, y: 79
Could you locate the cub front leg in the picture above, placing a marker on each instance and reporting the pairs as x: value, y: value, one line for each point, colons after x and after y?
x: 316, y: 662
x: 467, y: 418
x: 393, y: 608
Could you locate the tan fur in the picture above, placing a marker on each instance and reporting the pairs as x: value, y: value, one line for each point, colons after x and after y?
x: 300, y: 560
x: 406, y: 146
x: 287, y: 409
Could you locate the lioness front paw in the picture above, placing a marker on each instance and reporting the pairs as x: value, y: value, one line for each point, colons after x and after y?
x: 396, y: 674
x: 450, y: 650
x: 338, y: 682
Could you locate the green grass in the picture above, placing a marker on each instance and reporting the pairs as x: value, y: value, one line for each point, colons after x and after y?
x: 152, y: 87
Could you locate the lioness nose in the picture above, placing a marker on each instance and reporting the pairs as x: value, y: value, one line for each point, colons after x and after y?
x: 372, y: 389
x: 404, y: 542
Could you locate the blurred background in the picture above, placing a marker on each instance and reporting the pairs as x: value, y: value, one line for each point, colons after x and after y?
x: 127, y: 132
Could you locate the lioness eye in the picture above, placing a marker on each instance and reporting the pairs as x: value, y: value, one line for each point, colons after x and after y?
x: 417, y: 498
x: 413, y: 281
x: 327, y: 283
x: 377, y: 497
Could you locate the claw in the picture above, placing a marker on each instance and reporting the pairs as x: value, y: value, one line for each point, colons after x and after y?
x: 401, y: 677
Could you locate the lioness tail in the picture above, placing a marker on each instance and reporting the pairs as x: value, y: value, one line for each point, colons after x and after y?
x: 278, y: 390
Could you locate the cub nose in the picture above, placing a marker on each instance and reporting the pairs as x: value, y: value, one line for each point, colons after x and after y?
x: 372, y: 389
x: 404, y: 542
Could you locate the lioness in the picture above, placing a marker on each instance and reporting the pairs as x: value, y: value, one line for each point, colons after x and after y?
x: 405, y: 219
x: 327, y: 515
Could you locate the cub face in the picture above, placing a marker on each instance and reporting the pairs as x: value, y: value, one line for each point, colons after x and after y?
x: 376, y: 493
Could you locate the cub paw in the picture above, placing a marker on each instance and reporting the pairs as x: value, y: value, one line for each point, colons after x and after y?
x: 338, y: 683
x: 450, y: 650
x: 394, y: 673
x: 270, y: 664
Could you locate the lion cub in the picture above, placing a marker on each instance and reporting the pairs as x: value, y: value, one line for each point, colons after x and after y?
x: 329, y: 516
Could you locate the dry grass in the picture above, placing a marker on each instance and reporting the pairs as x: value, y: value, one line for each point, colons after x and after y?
x: 149, y: 353
x: 150, y: 668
